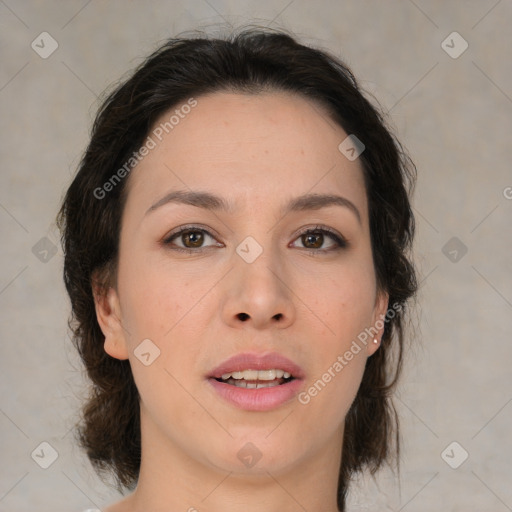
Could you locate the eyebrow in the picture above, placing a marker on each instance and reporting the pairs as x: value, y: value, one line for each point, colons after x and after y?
x: 209, y: 201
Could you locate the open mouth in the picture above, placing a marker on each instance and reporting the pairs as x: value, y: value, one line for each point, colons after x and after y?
x: 256, y: 379
x: 257, y: 382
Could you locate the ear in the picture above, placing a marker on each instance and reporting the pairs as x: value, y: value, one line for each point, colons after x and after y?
x: 108, y: 313
x: 378, y: 321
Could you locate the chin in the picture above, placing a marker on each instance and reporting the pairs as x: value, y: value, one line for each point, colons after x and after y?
x: 258, y: 453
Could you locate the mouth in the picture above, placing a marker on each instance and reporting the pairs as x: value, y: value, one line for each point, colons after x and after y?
x: 257, y: 382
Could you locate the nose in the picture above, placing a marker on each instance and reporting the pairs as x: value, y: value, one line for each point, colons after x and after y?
x: 258, y: 294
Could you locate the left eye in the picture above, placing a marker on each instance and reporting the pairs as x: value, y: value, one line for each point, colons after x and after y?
x: 315, y: 238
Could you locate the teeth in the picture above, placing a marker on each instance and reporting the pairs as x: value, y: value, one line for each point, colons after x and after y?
x: 257, y: 375
x: 253, y: 385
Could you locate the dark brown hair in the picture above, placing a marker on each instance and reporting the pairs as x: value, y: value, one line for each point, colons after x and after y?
x: 250, y: 61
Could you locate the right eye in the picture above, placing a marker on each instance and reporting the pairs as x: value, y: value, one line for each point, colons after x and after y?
x: 192, y: 239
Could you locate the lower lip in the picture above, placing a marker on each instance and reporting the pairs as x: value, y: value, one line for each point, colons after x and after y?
x: 262, y: 399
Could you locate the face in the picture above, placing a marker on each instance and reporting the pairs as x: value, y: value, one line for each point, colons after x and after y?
x: 263, y: 271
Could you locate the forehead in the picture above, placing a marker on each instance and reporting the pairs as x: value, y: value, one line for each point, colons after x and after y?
x: 247, y: 147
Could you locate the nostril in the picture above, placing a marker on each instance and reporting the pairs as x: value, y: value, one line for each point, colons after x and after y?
x: 243, y: 316
x: 278, y: 316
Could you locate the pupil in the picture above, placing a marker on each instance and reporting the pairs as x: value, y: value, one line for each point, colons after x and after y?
x: 195, y: 238
x: 309, y: 237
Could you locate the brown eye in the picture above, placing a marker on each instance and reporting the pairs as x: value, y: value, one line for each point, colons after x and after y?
x: 312, y: 240
x: 321, y: 240
x: 192, y: 239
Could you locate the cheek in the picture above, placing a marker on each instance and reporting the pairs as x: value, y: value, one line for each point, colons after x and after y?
x: 346, y: 302
x: 158, y: 305
x: 346, y: 307
x: 331, y: 391
x: 157, y: 298
x: 162, y: 303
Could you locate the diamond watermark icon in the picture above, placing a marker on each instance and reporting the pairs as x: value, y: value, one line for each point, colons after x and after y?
x: 249, y: 250
x: 146, y: 352
x: 44, y: 455
x: 249, y: 455
x: 44, y: 45
x: 454, y: 249
x: 454, y: 45
x: 351, y: 147
x: 454, y: 455
x: 44, y: 250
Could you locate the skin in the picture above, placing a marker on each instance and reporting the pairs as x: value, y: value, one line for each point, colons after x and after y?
x: 257, y: 152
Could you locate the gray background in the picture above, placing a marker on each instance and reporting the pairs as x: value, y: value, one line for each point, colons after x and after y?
x: 453, y: 115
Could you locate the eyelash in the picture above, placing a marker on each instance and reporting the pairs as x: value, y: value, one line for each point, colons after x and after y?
x: 338, y: 239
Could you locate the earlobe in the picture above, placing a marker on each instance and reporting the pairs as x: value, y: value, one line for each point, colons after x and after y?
x: 379, y: 321
x: 108, y: 315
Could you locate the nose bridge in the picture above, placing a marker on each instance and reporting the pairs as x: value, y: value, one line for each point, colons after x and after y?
x: 259, y: 266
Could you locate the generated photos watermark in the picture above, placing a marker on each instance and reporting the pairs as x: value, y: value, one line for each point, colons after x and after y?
x: 151, y: 142
x: 342, y: 360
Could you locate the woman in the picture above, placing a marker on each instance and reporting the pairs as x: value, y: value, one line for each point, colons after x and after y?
x: 237, y: 257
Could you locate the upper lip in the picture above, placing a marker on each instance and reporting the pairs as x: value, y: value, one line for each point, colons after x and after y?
x: 252, y: 361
